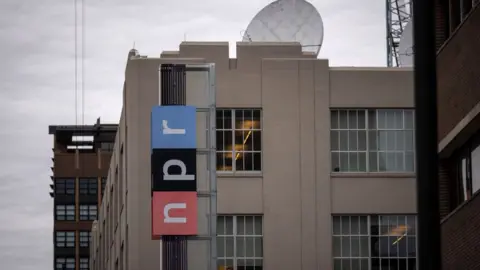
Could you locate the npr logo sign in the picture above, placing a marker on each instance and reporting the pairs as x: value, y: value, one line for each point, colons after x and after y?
x: 174, y: 162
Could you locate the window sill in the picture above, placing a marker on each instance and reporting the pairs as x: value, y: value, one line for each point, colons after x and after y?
x: 372, y: 175
x: 239, y: 174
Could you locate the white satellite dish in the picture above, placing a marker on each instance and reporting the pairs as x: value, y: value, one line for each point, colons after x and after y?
x: 287, y: 21
x: 405, y: 48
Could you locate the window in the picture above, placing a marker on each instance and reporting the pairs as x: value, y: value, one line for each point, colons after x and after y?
x: 239, y: 140
x: 65, y: 212
x: 84, y: 264
x: 466, y: 166
x: 107, y: 146
x: 104, y: 182
x: 88, y: 212
x: 240, y: 242
x: 372, y: 140
x: 62, y: 263
x: 85, y: 237
x: 88, y: 186
x: 65, y: 186
x: 374, y: 242
x: 65, y: 239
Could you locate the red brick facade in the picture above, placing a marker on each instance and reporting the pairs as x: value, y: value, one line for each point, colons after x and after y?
x: 458, y: 74
x: 461, y: 237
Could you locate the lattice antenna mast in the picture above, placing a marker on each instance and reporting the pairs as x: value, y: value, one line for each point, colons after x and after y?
x: 399, y: 13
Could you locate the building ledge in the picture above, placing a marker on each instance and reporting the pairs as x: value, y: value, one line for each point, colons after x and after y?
x: 476, y: 195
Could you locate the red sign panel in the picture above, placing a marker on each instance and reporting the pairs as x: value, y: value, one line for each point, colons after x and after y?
x: 174, y: 213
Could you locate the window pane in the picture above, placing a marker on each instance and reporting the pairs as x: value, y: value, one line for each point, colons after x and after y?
x: 390, y: 119
x: 336, y: 225
x: 220, y: 140
x: 355, y: 249
x: 337, y: 246
x: 219, y: 119
x: 344, y: 162
x: 343, y: 119
x: 229, y: 243
x: 352, y: 119
x: 353, y: 162
x: 334, y: 140
x: 409, y: 162
x: 257, y: 140
x: 221, y: 246
x: 335, y: 162
x: 258, y: 225
x: 241, y: 225
x: 372, y: 119
x: 361, y: 119
x: 257, y: 161
x: 345, y: 225
x: 409, y: 119
x: 343, y: 140
x: 334, y: 119
x: 229, y: 225
x: 352, y: 140
x: 249, y: 246
x: 373, y: 161
x: 362, y: 140
x: 372, y: 140
x: 227, y: 119
x: 240, y: 247
x: 258, y: 247
x: 249, y: 225
x: 362, y: 162
x: 355, y: 225
x: 346, y: 246
x: 220, y: 225
x: 257, y: 119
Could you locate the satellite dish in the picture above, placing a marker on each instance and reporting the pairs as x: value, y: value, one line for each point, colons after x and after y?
x: 287, y: 21
x: 405, y: 47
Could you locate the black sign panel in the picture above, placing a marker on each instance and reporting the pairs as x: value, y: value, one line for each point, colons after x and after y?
x: 174, y: 170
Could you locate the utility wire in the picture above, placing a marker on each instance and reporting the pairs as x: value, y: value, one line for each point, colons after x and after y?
x: 76, y: 63
x: 83, y: 62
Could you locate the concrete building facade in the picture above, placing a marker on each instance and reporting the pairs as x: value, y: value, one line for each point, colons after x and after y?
x: 315, y: 164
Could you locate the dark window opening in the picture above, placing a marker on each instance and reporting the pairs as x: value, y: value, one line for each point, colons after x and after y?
x: 88, y: 186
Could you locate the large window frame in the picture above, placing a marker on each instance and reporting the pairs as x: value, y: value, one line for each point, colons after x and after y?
x: 103, y: 184
x: 88, y: 186
x: 88, y: 212
x: 234, y: 234
x: 65, y: 212
x: 84, y: 263
x: 372, y: 140
x: 65, y: 239
x: 85, y: 238
x: 65, y: 263
x: 65, y: 186
x: 239, y: 140
x: 465, y: 164
x: 366, y: 240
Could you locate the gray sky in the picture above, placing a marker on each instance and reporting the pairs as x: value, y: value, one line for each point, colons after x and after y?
x: 37, y: 82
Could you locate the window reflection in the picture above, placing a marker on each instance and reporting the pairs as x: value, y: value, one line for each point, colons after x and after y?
x: 475, y: 165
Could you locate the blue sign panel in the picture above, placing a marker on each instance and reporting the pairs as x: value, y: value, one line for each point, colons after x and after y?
x: 173, y: 127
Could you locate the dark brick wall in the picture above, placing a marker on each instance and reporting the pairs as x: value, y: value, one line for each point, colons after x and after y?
x: 461, y: 237
x: 458, y: 73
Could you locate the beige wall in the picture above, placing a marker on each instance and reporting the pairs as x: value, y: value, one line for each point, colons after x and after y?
x: 295, y: 192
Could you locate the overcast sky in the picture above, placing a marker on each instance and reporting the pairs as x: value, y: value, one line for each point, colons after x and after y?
x: 37, y: 82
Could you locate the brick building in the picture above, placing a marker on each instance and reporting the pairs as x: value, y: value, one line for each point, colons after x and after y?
x: 81, y: 158
x: 458, y: 41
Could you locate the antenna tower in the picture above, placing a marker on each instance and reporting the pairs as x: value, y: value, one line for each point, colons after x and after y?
x: 399, y: 13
